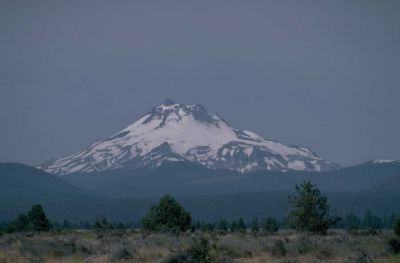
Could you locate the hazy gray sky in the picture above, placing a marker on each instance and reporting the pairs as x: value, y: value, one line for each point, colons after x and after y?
x: 324, y: 74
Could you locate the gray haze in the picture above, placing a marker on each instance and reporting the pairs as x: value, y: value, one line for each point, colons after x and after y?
x: 324, y: 74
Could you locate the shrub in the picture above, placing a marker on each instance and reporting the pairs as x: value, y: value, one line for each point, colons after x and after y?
x: 279, y: 248
x: 200, y: 250
x: 270, y: 225
x: 180, y: 258
x: 10, y: 228
x: 101, y: 223
x: 396, y: 227
x: 395, y: 245
x: 120, y: 254
x: 167, y: 215
x: 310, y: 210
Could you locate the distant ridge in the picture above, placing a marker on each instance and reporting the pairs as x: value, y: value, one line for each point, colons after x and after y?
x: 22, y: 180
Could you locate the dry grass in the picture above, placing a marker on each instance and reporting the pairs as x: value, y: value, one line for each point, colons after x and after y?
x: 137, y: 246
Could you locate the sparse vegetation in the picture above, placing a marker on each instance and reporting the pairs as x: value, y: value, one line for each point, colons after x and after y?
x: 165, y: 237
x: 115, y: 245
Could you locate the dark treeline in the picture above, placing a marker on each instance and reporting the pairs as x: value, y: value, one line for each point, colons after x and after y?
x: 349, y: 221
x: 270, y: 224
x: 310, y: 212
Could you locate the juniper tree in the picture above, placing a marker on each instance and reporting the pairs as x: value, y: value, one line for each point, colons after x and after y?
x: 168, y: 214
x: 310, y: 210
x: 38, y: 219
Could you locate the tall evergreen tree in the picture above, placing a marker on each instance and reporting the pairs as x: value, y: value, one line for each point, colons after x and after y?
x: 310, y: 210
x: 168, y: 214
x: 38, y: 219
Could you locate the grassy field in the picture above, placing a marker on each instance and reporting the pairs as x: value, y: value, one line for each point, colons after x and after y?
x: 139, y: 246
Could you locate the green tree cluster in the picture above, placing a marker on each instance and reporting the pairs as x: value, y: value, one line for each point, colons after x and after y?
x: 35, y: 219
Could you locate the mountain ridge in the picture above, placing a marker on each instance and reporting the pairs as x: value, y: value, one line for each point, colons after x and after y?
x: 209, y: 193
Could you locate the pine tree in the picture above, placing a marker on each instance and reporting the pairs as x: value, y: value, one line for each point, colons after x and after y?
x: 38, y: 219
x: 223, y: 225
x: 254, y: 225
x: 168, y: 214
x: 310, y: 210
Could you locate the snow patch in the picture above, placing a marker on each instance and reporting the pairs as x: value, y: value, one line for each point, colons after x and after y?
x: 297, y: 165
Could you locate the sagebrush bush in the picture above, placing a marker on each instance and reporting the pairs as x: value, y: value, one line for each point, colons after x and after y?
x: 279, y: 248
x: 200, y: 250
x: 119, y: 254
x: 197, y: 247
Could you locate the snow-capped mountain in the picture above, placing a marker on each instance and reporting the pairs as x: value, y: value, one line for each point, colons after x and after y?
x: 178, y: 132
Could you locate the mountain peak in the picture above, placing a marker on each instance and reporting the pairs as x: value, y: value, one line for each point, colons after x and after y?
x: 180, y: 132
x: 171, y: 111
